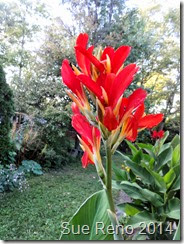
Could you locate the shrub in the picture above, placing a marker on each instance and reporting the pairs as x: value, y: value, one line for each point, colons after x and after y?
x: 151, y: 177
x: 11, y: 178
x: 6, y: 113
x: 30, y: 167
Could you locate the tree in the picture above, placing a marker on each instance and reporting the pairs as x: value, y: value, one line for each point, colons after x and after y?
x: 6, y: 114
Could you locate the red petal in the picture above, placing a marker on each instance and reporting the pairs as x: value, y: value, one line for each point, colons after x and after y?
x: 82, y: 61
x: 139, y: 112
x: 91, y: 85
x: 92, y: 58
x: 136, y: 98
x: 82, y: 126
x: 109, y: 51
x: 75, y: 109
x: 150, y: 120
x: 119, y: 57
x: 85, y: 160
x: 133, y: 133
x: 69, y: 78
x: 108, y: 83
x: 82, y: 40
x: 110, y: 121
x: 160, y: 133
x: 122, y: 81
x: 123, y: 107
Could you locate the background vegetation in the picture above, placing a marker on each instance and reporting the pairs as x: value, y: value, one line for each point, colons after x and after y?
x: 33, y: 43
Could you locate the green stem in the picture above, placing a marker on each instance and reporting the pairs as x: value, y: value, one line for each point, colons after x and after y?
x: 114, y: 220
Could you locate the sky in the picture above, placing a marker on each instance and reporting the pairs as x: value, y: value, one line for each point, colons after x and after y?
x: 58, y: 9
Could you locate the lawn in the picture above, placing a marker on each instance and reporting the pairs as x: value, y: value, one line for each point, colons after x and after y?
x: 37, y: 213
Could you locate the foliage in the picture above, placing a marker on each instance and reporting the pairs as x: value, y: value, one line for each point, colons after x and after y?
x: 51, y: 199
x: 55, y: 137
x: 6, y: 114
x: 11, y: 178
x: 30, y: 167
x: 92, y: 211
x: 151, y: 177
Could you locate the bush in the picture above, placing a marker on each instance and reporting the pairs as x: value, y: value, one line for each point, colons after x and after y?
x: 151, y: 177
x: 6, y: 113
x: 29, y: 167
x: 11, y: 178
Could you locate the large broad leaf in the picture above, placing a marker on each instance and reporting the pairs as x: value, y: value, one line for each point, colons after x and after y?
x: 148, y: 148
x: 119, y: 173
x: 163, y: 158
x: 176, y: 156
x: 138, y: 170
x: 158, y: 179
x: 129, y: 208
x: 141, y: 219
x: 175, y: 141
x: 177, y: 236
x: 137, y: 157
x: 173, y: 208
x: 145, y: 195
x: 90, y: 216
x: 169, y: 177
x: 164, y: 147
x: 176, y: 184
x: 132, y: 147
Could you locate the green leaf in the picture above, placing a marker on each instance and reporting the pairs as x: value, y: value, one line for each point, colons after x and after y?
x: 175, y: 141
x: 116, y: 185
x: 176, y: 156
x: 163, y: 158
x: 136, y: 192
x: 158, y: 180
x: 177, y: 236
x: 132, y: 147
x: 169, y: 177
x: 137, y: 157
x: 138, y: 170
x: 91, y: 213
x: 153, y: 197
x: 164, y: 147
x: 144, y: 216
x: 148, y: 148
x: 119, y: 173
x: 128, y: 208
x: 176, y: 184
x: 173, y: 208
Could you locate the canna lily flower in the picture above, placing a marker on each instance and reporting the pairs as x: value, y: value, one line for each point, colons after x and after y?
x: 138, y: 121
x: 157, y: 134
x: 104, y: 75
x: 105, y: 78
x: 131, y: 117
x: 90, y: 137
x: 71, y: 80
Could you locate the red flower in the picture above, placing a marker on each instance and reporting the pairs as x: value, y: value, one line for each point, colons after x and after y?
x: 158, y: 134
x: 73, y: 83
x: 104, y: 75
x: 90, y: 137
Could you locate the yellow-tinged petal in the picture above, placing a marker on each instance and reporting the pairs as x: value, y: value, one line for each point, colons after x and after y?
x: 104, y: 93
x: 76, y: 71
x: 74, y: 99
x: 116, y: 109
x: 108, y: 64
x: 101, y: 106
x: 85, y: 147
x: 94, y: 72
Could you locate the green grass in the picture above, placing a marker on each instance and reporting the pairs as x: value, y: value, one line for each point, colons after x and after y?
x: 37, y: 213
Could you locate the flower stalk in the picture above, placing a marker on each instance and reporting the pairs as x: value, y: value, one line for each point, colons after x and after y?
x: 112, y: 212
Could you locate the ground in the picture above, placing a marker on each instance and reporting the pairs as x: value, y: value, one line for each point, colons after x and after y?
x: 37, y: 213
